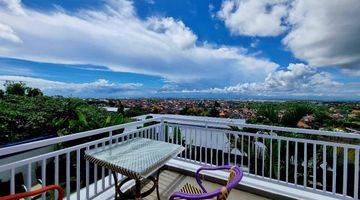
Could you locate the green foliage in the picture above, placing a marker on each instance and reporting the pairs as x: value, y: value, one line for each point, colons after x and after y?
x: 15, y: 88
x: 353, y: 120
x: 23, y: 117
x: 2, y: 94
x: 295, y: 112
x: 176, y: 136
x: 290, y: 113
x: 20, y: 89
x: 214, y: 112
x: 201, y: 110
x: 267, y: 114
x: 194, y: 111
x: 216, y: 104
x: 34, y: 92
x: 136, y: 111
x: 121, y: 109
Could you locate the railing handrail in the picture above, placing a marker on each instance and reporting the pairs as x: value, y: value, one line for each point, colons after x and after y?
x: 65, y: 150
x: 55, y: 140
x: 274, y: 137
x: 273, y: 128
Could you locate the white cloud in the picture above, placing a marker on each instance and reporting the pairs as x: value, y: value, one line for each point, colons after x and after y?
x: 296, y: 80
x: 319, y: 32
x: 325, y: 32
x: 13, y: 5
x: 174, y: 31
x: 254, y: 18
x: 100, y: 87
x: 115, y: 37
x: 6, y: 33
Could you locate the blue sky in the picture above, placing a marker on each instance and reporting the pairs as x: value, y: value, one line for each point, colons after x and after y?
x: 190, y: 49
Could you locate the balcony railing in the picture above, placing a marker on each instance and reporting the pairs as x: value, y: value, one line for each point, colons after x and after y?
x: 321, y: 162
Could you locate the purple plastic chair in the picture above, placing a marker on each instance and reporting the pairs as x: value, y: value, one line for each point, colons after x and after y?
x: 192, y: 192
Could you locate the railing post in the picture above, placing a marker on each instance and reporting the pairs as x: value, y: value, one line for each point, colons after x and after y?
x: 12, y: 181
x: 110, y: 138
x: 110, y: 143
x: 206, y: 143
x: 162, y: 130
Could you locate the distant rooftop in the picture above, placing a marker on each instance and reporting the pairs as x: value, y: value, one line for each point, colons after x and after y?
x: 111, y: 109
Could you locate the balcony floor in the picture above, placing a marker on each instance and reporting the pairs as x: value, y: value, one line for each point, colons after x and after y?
x: 172, y: 181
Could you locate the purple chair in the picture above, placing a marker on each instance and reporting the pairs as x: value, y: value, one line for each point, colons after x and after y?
x: 192, y: 192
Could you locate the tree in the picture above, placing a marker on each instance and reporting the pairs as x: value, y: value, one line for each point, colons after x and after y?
x: 184, y: 111
x: 23, y: 117
x: 121, y: 109
x: 136, y: 111
x: 112, y: 103
x: 267, y: 114
x: 214, y: 112
x: 295, y: 112
x: 34, y: 92
x: 15, y: 88
x: 216, y: 104
x: 2, y: 94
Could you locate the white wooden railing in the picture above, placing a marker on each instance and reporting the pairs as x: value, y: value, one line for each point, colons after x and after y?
x: 69, y: 169
x: 277, y: 154
x: 324, y: 162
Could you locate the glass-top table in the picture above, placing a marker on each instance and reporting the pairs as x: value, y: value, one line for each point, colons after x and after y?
x: 136, y: 158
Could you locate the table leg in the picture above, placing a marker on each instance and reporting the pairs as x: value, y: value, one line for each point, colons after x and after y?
x: 137, y: 189
x: 157, y: 180
x: 116, y: 185
x: 137, y: 195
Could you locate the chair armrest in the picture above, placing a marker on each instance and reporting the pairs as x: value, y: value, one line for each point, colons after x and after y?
x: 197, y: 174
x: 36, y: 192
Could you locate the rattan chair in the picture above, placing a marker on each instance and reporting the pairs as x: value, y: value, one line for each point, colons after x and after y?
x: 189, y: 191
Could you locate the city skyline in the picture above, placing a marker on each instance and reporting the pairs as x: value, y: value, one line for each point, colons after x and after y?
x: 241, y: 49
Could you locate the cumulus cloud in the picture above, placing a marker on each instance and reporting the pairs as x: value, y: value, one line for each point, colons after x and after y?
x: 320, y: 32
x: 254, y: 18
x: 325, y: 32
x: 100, y: 87
x: 114, y: 36
x: 175, y: 31
x: 297, y: 80
x: 13, y: 5
x: 6, y: 33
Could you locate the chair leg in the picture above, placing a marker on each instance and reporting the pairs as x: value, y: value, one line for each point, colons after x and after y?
x: 157, y: 184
